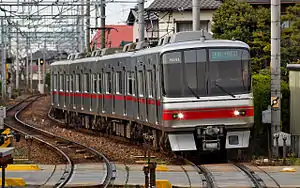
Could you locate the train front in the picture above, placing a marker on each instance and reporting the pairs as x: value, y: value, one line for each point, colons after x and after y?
x: 207, y: 98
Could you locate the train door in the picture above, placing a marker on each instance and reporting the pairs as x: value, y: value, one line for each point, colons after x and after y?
x: 100, y: 92
x: 150, y: 103
x: 141, y: 94
x: 131, y: 94
x: 157, y: 91
x: 107, y: 103
x: 118, y: 99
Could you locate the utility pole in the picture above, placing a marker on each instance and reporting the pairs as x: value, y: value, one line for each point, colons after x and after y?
x: 141, y: 20
x: 78, y: 30
x: 3, y: 75
x: 196, y: 15
x: 44, y: 64
x: 17, y: 59
x: 88, y: 23
x: 31, y: 71
x: 275, y: 71
x: 82, y: 27
x: 39, y: 74
x: 27, y: 54
x: 102, y: 33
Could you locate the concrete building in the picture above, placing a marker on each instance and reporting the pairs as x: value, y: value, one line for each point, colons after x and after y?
x: 164, y: 17
x: 294, y: 83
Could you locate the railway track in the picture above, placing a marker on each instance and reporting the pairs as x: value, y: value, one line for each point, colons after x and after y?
x: 233, y: 175
x: 71, y: 152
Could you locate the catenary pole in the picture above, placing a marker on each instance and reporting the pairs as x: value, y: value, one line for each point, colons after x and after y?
x: 17, y: 59
x: 275, y: 70
x: 141, y: 20
x: 3, y: 75
x: 196, y: 15
x: 102, y: 33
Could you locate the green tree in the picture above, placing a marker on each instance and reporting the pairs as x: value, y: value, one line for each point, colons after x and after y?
x: 260, y: 44
x: 238, y: 19
x: 290, y: 36
x: 234, y: 19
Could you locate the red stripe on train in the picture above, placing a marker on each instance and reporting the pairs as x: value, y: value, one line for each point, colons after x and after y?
x: 108, y: 96
x: 208, y: 113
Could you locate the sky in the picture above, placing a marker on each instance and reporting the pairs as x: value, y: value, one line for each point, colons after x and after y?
x: 116, y: 13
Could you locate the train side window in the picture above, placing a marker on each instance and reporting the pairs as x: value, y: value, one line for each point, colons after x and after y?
x: 61, y: 81
x: 55, y: 82
x: 94, y: 82
x: 130, y: 83
x: 77, y: 83
x: 141, y: 83
x: 118, y: 82
x: 71, y: 82
x: 149, y: 83
x: 99, y: 83
x: 67, y: 83
x: 108, y: 82
x: 86, y: 83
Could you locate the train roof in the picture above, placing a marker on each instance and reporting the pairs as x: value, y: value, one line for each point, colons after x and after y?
x: 205, y: 43
x: 180, y: 40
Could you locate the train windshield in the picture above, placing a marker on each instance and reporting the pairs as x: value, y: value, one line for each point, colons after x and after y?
x: 206, y: 72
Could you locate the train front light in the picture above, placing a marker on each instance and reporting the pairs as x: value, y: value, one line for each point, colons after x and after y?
x: 239, y: 112
x: 178, y: 116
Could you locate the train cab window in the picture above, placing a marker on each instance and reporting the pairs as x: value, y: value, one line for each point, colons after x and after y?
x: 149, y: 83
x: 86, y: 83
x: 140, y: 83
x: 118, y: 82
x: 99, y: 83
x: 108, y: 82
x: 131, y: 83
x: 94, y: 82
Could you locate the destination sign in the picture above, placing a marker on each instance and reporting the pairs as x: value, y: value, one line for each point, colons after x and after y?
x: 224, y: 54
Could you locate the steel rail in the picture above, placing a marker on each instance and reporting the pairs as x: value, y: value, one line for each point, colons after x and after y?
x: 70, y: 165
x: 257, y: 181
x: 209, y: 179
x: 111, y: 169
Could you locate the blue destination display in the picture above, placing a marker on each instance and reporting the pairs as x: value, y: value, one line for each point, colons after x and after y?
x: 224, y: 54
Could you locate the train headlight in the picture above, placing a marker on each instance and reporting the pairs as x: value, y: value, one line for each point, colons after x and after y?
x: 239, y: 112
x: 236, y: 113
x: 178, y: 115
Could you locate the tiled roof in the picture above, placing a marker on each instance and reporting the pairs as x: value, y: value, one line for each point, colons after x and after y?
x: 114, y: 38
x: 183, y: 5
x: 133, y: 16
x: 269, y: 1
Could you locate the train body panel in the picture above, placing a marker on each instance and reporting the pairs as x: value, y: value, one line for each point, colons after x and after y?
x: 197, y: 92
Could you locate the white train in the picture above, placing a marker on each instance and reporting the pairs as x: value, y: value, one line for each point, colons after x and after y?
x: 190, y: 92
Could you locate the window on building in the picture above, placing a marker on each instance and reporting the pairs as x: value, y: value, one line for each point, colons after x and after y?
x: 188, y: 25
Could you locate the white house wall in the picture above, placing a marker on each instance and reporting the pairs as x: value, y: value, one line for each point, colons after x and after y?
x: 149, y: 33
x: 167, y: 22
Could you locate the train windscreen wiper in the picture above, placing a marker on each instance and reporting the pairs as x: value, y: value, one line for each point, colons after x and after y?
x: 224, y: 90
x: 193, y: 92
